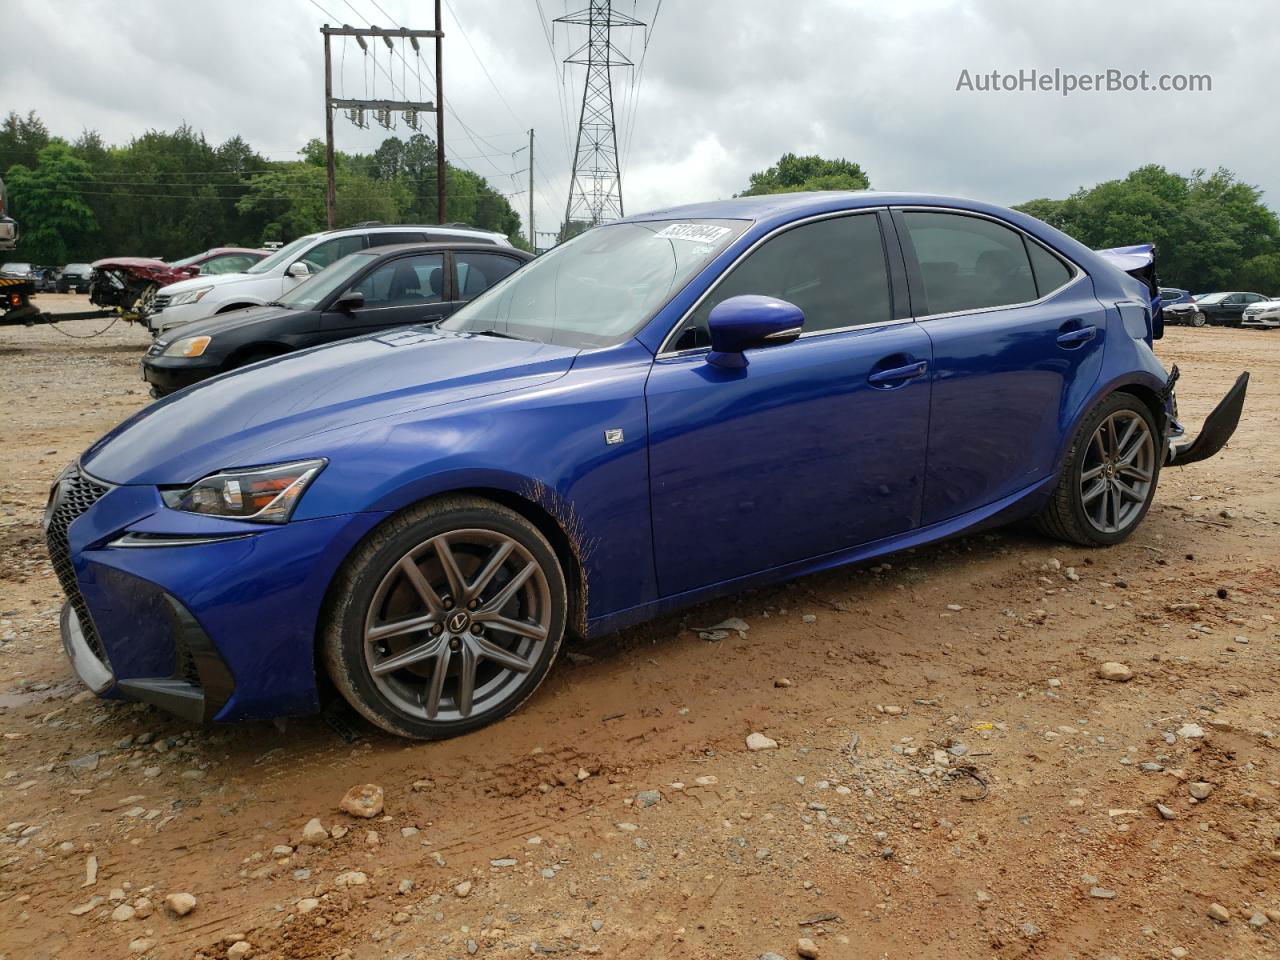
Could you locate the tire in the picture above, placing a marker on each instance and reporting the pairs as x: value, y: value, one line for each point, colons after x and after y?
x: 1078, y: 512
x: 380, y: 615
x: 1197, y: 320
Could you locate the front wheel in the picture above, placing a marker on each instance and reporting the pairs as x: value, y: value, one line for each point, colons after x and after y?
x: 1197, y: 319
x: 446, y: 619
x: 1109, y: 477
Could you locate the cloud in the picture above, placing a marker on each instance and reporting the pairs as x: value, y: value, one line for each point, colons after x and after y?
x: 728, y: 86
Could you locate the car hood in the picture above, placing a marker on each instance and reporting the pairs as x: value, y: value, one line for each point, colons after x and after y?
x: 304, y: 404
x: 217, y: 280
x: 224, y: 323
x: 145, y: 263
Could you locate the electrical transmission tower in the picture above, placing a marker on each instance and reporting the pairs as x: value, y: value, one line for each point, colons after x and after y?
x: 595, y: 187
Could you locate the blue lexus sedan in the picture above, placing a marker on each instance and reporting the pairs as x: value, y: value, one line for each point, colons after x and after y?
x: 667, y: 408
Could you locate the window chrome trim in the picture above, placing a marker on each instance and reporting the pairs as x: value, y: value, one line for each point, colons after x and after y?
x: 1077, y: 270
x: 663, y: 351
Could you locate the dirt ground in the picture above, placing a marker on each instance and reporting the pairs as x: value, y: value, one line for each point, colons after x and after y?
x: 952, y: 778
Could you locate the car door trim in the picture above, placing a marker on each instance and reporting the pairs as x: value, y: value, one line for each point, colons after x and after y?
x: 913, y: 264
x: 665, y: 354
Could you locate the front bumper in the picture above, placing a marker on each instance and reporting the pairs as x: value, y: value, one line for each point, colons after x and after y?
x: 210, y: 619
x: 167, y: 374
x: 1258, y: 320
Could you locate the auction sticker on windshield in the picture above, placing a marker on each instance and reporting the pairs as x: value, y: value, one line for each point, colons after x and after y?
x: 696, y: 232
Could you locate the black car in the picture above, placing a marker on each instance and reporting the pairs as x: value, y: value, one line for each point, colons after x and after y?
x: 1227, y: 309
x: 365, y: 292
x: 75, y: 278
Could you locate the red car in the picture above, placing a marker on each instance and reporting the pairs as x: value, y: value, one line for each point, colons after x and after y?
x: 132, y: 282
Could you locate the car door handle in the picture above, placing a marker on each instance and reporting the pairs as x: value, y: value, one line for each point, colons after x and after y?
x: 1074, y: 338
x: 897, y: 374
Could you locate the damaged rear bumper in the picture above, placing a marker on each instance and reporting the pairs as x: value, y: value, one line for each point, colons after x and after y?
x: 1217, y: 430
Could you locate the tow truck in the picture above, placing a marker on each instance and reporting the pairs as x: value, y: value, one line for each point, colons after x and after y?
x: 16, y: 292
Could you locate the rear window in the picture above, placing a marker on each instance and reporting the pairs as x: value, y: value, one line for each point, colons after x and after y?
x: 1051, y: 273
x: 969, y: 263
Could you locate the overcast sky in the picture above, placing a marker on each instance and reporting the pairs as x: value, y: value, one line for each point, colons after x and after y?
x: 727, y: 86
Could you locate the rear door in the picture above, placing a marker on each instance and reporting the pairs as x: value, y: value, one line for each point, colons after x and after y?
x: 396, y: 292
x: 1017, y: 338
x: 475, y: 272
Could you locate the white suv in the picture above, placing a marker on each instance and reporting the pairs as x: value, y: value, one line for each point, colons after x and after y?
x: 267, y: 280
x: 1265, y: 313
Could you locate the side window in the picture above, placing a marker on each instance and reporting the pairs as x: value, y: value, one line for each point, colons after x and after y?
x: 391, y: 239
x: 325, y: 254
x: 477, y: 272
x: 404, y: 281
x: 1051, y: 273
x: 834, y: 270
x: 230, y: 263
x: 968, y: 263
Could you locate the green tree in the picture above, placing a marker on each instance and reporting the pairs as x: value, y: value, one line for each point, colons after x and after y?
x: 22, y: 139
x: 1210, y: 230
x: 46, y: 200
x: 793, y: 173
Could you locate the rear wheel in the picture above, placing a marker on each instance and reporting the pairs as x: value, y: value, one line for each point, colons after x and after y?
x: 1109, y: 477
x: 447, y: 619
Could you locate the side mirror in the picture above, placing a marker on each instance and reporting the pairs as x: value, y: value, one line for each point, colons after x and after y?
x: 298, y: 270
x: 351, y: 300
x: 191, y: 271
x: 741, y: 323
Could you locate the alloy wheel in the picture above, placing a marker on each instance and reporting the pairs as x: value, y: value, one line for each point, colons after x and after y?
x: 457, y: 624
x: 1118, y: 472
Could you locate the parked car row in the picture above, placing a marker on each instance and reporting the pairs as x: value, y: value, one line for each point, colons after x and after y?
x: 374, y: 289
x: 1228, y: 308
x: 664, y: 409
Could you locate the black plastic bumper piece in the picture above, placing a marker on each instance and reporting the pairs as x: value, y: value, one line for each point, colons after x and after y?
x: 1218, y: 427
x: 200, y: 685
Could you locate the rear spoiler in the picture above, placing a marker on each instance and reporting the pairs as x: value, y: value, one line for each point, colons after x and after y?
x: 1139, y: 262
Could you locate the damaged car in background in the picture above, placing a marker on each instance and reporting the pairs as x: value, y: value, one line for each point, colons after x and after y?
x: 664, y: 409
x: 130, y: 283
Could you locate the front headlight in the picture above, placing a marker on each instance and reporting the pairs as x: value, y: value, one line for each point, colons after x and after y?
x: 191, y: 296
x: 260, y: 494
x: 187, y: 347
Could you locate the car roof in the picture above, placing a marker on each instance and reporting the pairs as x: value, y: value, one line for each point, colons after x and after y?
x: 765, y: 205
x: 457, y: 228
x: 441, y: 246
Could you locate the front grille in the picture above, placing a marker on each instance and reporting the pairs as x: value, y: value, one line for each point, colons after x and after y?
x: 160, y: 301
x: 76, y: 493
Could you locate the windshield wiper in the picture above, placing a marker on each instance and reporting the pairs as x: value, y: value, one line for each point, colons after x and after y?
x: 497, y: 333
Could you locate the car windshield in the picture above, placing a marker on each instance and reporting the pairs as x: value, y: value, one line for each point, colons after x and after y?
x: 16, y: 268
x: 187, y: 261
x: 311, y: 292
x: 1212, y: 298
x: 77, y: 268
x: 602, y: 286
x: 286, y: 254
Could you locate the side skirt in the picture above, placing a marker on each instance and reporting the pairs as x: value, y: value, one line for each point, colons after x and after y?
x: 1016, y: 506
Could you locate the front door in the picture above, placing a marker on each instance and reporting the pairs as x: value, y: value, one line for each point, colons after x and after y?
x: 1017, y: 339
x: 817, y: 445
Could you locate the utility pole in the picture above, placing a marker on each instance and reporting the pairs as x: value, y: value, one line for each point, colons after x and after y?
x: 331, y: 188
x: 440, y: 164
x: 533, y: 237
x: 384, y: 108
x: 595, y: 185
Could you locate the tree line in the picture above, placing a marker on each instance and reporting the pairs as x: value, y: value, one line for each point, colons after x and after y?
x: 170, y: 194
